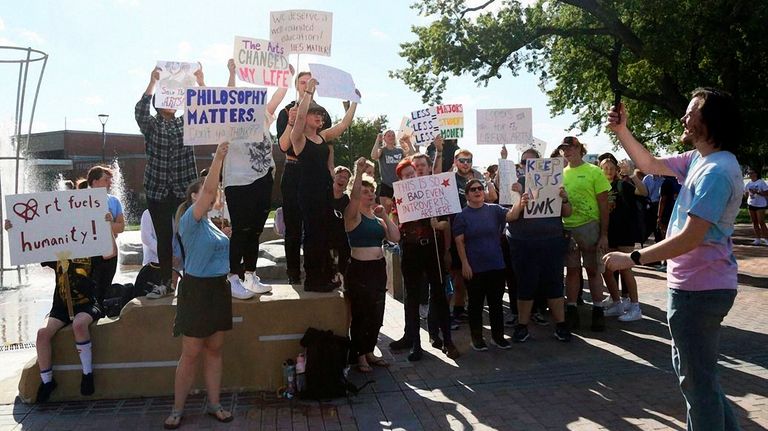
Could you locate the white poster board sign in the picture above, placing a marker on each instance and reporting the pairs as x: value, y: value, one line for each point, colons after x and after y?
x: 45, y: 225
x: 450, y: 120
x: 216, y: 114
x: 507, y: 177
x: 175, y: 76
x: 334, y: 83
x: 405, y: 129
x: 302, y: 31
x: 505, y: 127
x: 262, y: 62
x: 427, y: 196
x: 543, y: 179
x: 424, y: 125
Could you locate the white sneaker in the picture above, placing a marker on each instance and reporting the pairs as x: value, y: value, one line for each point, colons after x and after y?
x: 423, y: 311
x: 159, y: 291
x: 626, y: 304
x: 632, y: 314
x: 613, y: 309
x: 253, y: 283
x: 238, y: 290
x: 756, y: 241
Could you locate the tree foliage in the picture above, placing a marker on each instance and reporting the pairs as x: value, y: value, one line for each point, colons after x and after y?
x: 653, y: 51
x: 357, y: 140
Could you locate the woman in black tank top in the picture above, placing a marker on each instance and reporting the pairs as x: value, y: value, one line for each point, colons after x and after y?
x: 310, y: 144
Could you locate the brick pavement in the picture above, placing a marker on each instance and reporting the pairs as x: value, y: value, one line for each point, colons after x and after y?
x: 619, y: 380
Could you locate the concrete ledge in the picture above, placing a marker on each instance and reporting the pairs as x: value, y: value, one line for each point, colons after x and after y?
x: 135, y: 355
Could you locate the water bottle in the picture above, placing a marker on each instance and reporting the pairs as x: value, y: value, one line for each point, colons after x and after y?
x: 289, y: 378
x: 301, y: 366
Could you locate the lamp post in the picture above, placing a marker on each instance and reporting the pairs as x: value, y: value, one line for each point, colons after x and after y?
x: 103, y: 120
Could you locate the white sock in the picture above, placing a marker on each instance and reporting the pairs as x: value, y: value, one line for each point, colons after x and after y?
x: 46, y: 375
x: 86, y: 359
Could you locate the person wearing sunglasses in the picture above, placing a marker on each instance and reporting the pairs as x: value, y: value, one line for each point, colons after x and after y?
x: 587, y: 227
x: 477, y: 229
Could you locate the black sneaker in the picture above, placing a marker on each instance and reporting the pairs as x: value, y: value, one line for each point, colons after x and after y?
x: 415, y: 354
x: 479, y: 345
x: 459, y: 314
x: 86, y: 385
x: 437, y: 343
x: 562, y: 333
x: 511, y: 320
x: 539, y: 319
x: 598, y: 319
x: 45, y: 390
x: 572, y: 316
x: 521, y: 334
x: 400, y: 344
x: 451, y: 351
x: 501, y: 343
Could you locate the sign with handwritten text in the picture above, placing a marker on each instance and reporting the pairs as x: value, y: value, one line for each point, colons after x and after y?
x: 302, y: 31
x: 507, y: 177
x: 261, y: 62
x: 216, y: 114
x: 46, y: 225
x: 334, y: 83
x: 450, y: 120
x: 175, y: 76
x: 543, y: 179
x: 505, y: 127
x: 427, y: 196
x: 424, y: 124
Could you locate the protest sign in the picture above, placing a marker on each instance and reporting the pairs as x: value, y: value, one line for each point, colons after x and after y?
x: 424, y: 125
x: 175, y: 76
x: 450, y: 120
x: 504, y: 127
x: 302, y: 31
x: 334, y: 83
x: 507, y: 177
x: 216, y: 114
x: 405, y: 130
x: 427, y: 196
x: 262, y: 62
x: 45, y: 225
x: 543, y: 179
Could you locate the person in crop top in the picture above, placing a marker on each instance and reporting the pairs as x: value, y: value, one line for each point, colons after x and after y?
x: 365, y: 283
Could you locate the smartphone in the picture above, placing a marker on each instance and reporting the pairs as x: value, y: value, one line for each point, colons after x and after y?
x: 617, y: 103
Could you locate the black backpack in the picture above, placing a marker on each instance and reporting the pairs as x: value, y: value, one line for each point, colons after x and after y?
x: 326, y: 360
x: 148, y: 276
x: 116, y: 296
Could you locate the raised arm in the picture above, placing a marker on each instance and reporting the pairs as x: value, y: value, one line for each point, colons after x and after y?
x: 391, y: 231
x: 376, y: 150
x: 298, y: 139
x: 285, y: 138
x: 210, y: 190
x: 514, y: 212
x: 352, y: 211
x: 647, y: 162
x: 437, y: 164
x: 405, y: 144
x: 334, y: 132
x: 144, y: 118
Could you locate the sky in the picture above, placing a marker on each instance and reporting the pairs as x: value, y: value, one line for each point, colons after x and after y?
x: 101, y: 54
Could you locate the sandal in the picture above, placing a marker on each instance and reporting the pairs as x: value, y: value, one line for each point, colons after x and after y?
x: 173, y: 421
x: 218, y: 412
x: 377, y: 362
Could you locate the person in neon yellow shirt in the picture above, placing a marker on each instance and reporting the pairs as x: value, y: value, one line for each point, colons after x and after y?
x: 587, y: 227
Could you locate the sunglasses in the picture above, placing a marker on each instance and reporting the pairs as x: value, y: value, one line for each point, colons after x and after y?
x: 464, y: 160
x: 476, y: 189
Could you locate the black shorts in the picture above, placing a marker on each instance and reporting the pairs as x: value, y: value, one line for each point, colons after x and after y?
x: 203, y: 306
x: 385, y: 191
x: 61, y: 314
x: 754, y: 208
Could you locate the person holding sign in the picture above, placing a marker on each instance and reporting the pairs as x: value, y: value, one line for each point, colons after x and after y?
x: 170, y: 169
x: 537, y: 249
x: 477, y: 229
x: 388, y: 156
x: 365, y: 284
x: 74, y: 302
x: 311, y: 145
x: 204, y: 309
x: 289, y: 182
x: 247, y: 184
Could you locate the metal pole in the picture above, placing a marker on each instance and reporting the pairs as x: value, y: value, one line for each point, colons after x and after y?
x: 103, y: 142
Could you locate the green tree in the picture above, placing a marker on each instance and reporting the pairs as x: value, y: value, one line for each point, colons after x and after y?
x: 357, y: 140
x: 652, y: 51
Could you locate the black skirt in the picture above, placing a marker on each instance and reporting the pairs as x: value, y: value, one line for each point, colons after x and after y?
x: 203, y: 306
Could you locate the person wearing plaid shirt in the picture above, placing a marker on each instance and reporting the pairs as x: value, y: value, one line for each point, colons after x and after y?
x: 170, y: 169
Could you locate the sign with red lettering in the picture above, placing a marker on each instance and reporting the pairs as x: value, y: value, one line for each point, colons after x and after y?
x: 302, y: 31
x: 175, y: 76
x: 261, y: 62
x: 450, y: 120
x: 427, y: 196
x: 446, y: 120
x: 45, y: 225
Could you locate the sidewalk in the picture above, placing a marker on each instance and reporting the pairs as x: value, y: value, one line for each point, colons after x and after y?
x: 620, y: 379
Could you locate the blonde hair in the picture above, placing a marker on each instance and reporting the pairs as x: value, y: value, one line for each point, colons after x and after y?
x: 193, y: 187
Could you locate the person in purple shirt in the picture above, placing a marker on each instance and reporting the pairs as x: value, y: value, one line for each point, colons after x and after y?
x: 701, y: 269
x: 477, y: 229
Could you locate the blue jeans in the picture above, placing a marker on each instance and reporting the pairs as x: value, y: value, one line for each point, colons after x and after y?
x: 694, y: 324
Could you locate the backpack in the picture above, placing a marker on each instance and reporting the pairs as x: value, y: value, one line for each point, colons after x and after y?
x: 326, y: 363
x: 116, y: 296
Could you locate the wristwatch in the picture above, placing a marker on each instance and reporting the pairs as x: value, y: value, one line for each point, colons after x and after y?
x: 635, y: 256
